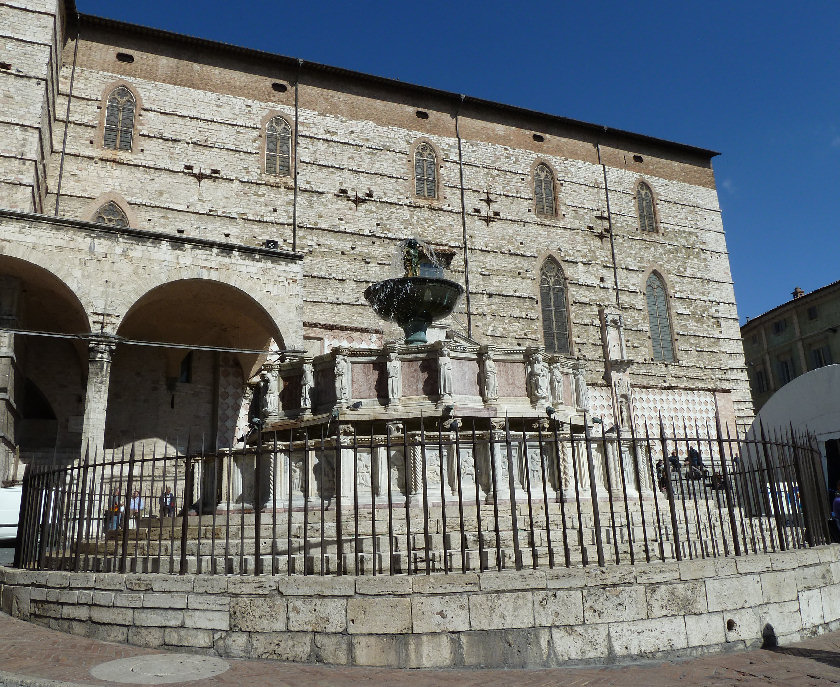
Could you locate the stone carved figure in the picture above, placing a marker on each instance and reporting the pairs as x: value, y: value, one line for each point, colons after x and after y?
x: 581, y: 390
x: 307, y: 382
x: 556, y: 384
x: 490, y: 386
x: 624, y: 413
x: 614, y: 336
x: 342, y: 378
x: 538, y: 379
x: 270, y: 397
x: 445, y: 373
x: 394, y: 370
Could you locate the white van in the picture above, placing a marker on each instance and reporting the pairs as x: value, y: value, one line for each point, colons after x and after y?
x: 9, y: 510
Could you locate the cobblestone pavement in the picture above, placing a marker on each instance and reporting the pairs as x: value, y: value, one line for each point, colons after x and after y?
x: 33, y: 655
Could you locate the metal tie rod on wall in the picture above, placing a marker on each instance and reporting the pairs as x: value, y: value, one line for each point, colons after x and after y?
x: 155, y: 344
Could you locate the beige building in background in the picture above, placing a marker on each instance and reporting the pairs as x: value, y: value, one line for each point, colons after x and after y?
x: 233, y: 205
x: 792, y: 339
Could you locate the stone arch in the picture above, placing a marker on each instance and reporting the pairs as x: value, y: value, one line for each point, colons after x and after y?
x: 665, y: 348
x: 111, y: 197
x: 138, y: 110
x: 41, y: 418
x: 645, y: 197
x: 555, y: 311
x: 51, y: 304
x: 544, y: 187
x: 423, y: 143
x: 150, y: 399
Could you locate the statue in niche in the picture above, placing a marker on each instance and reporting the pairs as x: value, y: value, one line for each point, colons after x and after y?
x: 296, y: 475
x: 581, y: 390
x: 614, y: 336
x: 538, y: 379
x: 556, y: 383
x: 624, y: 413
x: 342, y: 378
x: 307, y: 382
x: 394, y: 370
x: 445, y: 373
x: 270, y: 397
x: 491, y: 388
x: 411, y: 258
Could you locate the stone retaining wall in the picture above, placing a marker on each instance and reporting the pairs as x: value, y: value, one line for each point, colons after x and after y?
x: 529, y: 618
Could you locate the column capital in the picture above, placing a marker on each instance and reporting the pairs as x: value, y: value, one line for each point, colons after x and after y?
x: 101, y: 347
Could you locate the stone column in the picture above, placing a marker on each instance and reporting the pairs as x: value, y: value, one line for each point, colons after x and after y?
x: 9, y: 373
x: 100, y: 351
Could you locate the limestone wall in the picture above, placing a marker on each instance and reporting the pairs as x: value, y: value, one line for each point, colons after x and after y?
x: 196, y: 170
x: 355, y: 141
x: 494, y: 619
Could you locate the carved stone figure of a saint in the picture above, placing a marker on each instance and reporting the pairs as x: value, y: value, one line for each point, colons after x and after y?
x: 538, y: 379
x: 581, y: 390
x: 307, y: 382
x: 445, y: 373
x: 394, y: 370
x: 624, y: 413
x: 342, y: 378
x: 556, y: 383
x: 270, y: 393
x: 491, y: 389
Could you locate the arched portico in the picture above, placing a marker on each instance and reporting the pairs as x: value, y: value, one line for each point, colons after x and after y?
x: 193, y: 388
x: 101, y: 285
x: 43, y: 375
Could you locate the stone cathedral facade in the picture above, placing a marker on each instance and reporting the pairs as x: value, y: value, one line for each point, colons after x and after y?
x: 181, y: 219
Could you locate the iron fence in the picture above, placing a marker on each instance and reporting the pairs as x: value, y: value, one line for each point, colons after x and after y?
x: 427, y: 495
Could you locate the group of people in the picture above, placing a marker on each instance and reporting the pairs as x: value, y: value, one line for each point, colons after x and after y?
x: 695, y: 469
x: 116, y: 508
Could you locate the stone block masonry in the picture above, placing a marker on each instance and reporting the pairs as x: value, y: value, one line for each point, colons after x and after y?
x: 493, y: 619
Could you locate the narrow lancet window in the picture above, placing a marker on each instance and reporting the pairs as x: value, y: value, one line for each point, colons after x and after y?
x: 544, y: 191
x: 278, y: 147
x: 555, y: 314
x: 660, y: 321
x: 111, y: 214
x: 647, y: 216
x: 425, y: 172
x: 119, y: 119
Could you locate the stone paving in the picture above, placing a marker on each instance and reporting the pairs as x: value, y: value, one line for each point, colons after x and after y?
x: 33, y: 655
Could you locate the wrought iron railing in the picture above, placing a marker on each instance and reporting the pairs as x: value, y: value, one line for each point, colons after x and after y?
x: 420, y: 496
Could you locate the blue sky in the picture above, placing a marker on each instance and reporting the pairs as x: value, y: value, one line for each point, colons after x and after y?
x: 757, y: 81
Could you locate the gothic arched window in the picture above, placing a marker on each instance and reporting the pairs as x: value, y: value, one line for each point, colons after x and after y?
x: 425, y: 171
x: 644, y: 200
x: 112, y: 215
x: 544, y: 191
x: 278, y: 147
x: 555, y: 314
x: 660, y: 321
x: 119, y: 119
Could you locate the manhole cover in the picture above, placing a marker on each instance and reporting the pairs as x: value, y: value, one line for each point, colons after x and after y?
x: 160, y: 669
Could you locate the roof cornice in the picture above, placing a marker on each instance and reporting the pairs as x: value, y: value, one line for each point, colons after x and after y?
x: 293, y: 63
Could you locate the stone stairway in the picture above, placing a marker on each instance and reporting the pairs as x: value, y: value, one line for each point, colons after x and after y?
x: 419, y: 538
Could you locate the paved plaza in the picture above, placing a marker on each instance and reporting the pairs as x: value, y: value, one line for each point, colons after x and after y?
x: 32, y: 655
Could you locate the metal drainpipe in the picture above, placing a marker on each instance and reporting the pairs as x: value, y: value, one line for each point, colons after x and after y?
x: 295, y: 178
x: 609, y: 225
x: 464, y: 220
x: 67, y: 116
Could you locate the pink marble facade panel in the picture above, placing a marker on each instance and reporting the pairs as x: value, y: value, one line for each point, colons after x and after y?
x: 511, y: 378
x: 465, y: 377
x: 419, y: 377
x: 369, y: 380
